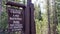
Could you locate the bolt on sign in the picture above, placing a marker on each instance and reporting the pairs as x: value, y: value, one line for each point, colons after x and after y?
x: 15, y: 19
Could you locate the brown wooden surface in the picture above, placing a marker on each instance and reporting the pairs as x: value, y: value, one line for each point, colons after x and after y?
x: 15, y: 4
x: 33, y: 29
x: 27, y: 18
x: 29, y: 23
x: 11, y: 15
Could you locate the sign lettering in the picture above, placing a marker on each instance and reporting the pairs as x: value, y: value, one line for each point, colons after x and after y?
x: 15, y: 19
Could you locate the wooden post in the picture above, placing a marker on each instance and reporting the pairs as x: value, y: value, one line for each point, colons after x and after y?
x: 32, y: 22
x: 27, y: 18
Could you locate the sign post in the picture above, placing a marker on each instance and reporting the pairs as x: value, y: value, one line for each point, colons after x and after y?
x: 21, y: 17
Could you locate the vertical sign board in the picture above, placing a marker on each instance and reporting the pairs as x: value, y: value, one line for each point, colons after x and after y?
x: 15, y: 19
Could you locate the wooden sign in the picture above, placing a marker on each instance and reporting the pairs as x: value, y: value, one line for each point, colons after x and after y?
x: 15, y: 19
x: 21, y: 20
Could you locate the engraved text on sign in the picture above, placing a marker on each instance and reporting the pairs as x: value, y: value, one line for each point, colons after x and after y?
x: 15, y: 19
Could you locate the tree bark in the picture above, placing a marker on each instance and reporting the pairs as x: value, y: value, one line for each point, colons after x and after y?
x: 0, y: 7
x: 48, y: 11
x: 54, y: 16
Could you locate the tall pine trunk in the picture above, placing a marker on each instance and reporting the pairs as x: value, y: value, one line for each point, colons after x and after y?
x: 53, y: 15
x: 0, y: 7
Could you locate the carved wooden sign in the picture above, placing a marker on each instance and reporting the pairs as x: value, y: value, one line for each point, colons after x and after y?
x: 15, y: 19
x: 21, y: 20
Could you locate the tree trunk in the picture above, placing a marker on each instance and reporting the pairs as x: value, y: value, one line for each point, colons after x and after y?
x: 48, y: 11
x: 53, y: 17
x: 0, y: 7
